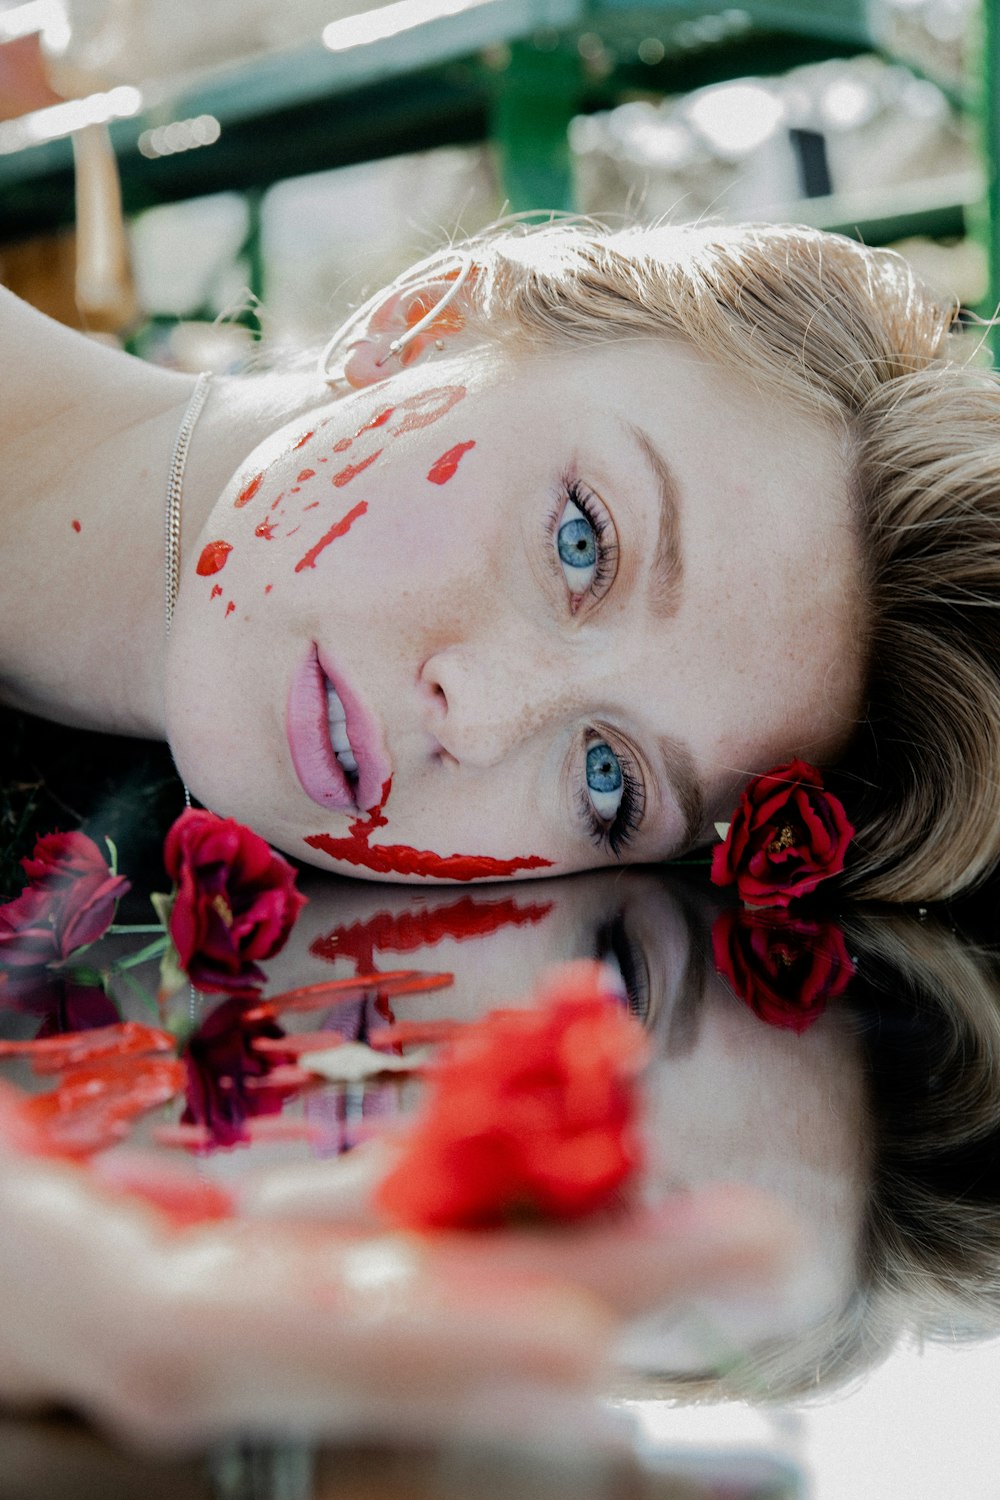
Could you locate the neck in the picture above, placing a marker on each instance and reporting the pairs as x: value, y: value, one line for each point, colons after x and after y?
x: 88, y: 433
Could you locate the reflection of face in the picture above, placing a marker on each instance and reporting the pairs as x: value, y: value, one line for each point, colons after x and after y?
x: 558, y: 654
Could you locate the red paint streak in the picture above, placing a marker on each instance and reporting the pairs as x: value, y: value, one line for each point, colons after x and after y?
x: 343, y: 991
x: 301, y: 1041
x: 351, y: 471
x: 216, y: 591
x: 339, y: 528
x: 229, y: 608
x: 214, y: 557
x: 76, y: 525
x: 182, y: 1200
x: 268, y: 587
x: 400, y: 859
x: 323, y: 460
x: 306, y: 474
x: 446, y: 397
x: 414, y: 1033
x: 95, y: 1105
x: 51, y: 1054
x: 406, y: 931
x: 276, y: 503
x: 266, y: 531
x: 248, y: 491
x: 295, y: 489
x: 313, y: 506
x: 444, y: 469
x: 302, y: 441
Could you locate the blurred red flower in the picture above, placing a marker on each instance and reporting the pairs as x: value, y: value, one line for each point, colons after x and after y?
x: 68, y: 903
x: 785, y: 968
x: 235, y: 902
x: 787, y: 835
x: 218, y: 1060
x: 531, y: 1114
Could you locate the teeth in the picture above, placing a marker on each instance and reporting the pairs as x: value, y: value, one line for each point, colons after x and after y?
x: 337, y: 723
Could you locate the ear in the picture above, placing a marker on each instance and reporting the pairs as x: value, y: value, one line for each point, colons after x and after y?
x: 403, y: 324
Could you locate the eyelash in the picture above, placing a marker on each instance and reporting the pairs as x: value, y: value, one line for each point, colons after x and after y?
x: 625, y: 824
x: 587, y: 503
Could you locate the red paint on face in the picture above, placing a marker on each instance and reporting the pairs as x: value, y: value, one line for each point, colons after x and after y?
x: 76, y: 525
x: 400, y: 859
x: 266, y: 531
x: 422, y: 409
x: 230, y: 608
x: 268, y: 587
x: 444, y: 468
x: 276, y: 503
x: 306, y: 474
x: 351, y: 471
x: 404, y: 932
x: 216, y: 591
x: 302, y: 441
x: 339, y: 528
x: 248, y: 491
x: 313, y: 506
x: 213, y: 558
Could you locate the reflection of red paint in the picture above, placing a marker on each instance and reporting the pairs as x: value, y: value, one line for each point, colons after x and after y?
x: 313, y: 506
x: 248, y: 491
x: 265, y: 530
x: 340, y: 528
x: 214, y: 557
x: 405, y: 931
x: 76, y: 525
x: 306, y: 474
x: 400, y: 859
x: 216, y: 591
x: 351, y: 471
x: 51, y: 1054
x: 95, y: 1104
x: 229, y: 608
x: 444, y: 469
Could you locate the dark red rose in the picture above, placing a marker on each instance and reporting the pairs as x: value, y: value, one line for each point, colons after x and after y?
x: 235, y: 902
x: 785, y: 968
x: 786, y: 836
x: 219, y: 1059
x: 532, y: 1114
x: 68, y: 903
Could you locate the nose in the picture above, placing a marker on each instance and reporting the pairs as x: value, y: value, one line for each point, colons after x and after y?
x: 482, y: 705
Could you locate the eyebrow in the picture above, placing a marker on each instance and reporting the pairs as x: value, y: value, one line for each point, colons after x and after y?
x: 667, y: 567
x: 682, y: 777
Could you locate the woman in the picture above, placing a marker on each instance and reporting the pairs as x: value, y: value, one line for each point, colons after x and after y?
x: 578, y: 531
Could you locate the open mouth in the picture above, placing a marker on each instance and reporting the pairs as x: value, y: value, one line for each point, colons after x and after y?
x: 336, y: 743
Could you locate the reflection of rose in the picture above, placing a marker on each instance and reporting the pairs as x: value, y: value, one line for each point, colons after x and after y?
x: 236, y: 901
x: 531, y: 1115
x: 218, y: 1060
x: 786, y: 969
x: 62, y: 1005
x: 68, y: 903
x: 787, y: 835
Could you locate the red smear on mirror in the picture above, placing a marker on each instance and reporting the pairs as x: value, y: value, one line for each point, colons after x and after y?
x: 338, y: 529
x: 406, y: 931
x: 213, y: 558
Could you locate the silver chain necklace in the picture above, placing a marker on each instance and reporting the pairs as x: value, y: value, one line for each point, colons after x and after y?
x: 175, y: 490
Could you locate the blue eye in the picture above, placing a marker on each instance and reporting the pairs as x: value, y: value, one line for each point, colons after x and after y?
x: 577, y: 545
x: 605, y: 782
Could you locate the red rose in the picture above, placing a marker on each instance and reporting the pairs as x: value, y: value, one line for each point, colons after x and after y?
x: 68, y: 903
x: 784, y: 968
x: 235, y: 902
x: 218, y: 1060
x: 787, y: 835
x: 532, y: 1114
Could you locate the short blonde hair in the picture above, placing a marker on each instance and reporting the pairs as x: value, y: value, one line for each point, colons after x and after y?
x: 850, y: 334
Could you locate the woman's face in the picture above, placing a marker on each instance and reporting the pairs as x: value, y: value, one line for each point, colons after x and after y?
x: 503, y: 616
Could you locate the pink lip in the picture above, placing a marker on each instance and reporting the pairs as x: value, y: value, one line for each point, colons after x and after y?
x: 321, y: 776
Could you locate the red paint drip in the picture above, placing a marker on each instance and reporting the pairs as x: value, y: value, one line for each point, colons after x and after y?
x: 216, y: 591
x: 313, y: 506
x: 76, y: 525
x: 303, y: 440
x: 351, y: 471
x: 339, y: 528
x: 229, y: 608
x: 248, y: 491
x: 266, y: 531
x: 277, y: 502
x: 405, y: 932
x: 306, y: 474
x: 400, y: 859
x: 268, y: 587
x: 444, y: 468
x: 213, y: 558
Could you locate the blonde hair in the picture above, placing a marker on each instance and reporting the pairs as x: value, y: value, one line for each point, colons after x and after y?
x: 850, y: 335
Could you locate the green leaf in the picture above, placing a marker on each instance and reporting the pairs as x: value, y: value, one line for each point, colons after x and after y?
x: 163, y: 905
x: 113, y: 851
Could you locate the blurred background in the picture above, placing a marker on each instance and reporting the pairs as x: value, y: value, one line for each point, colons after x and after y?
x: 212, y: 183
